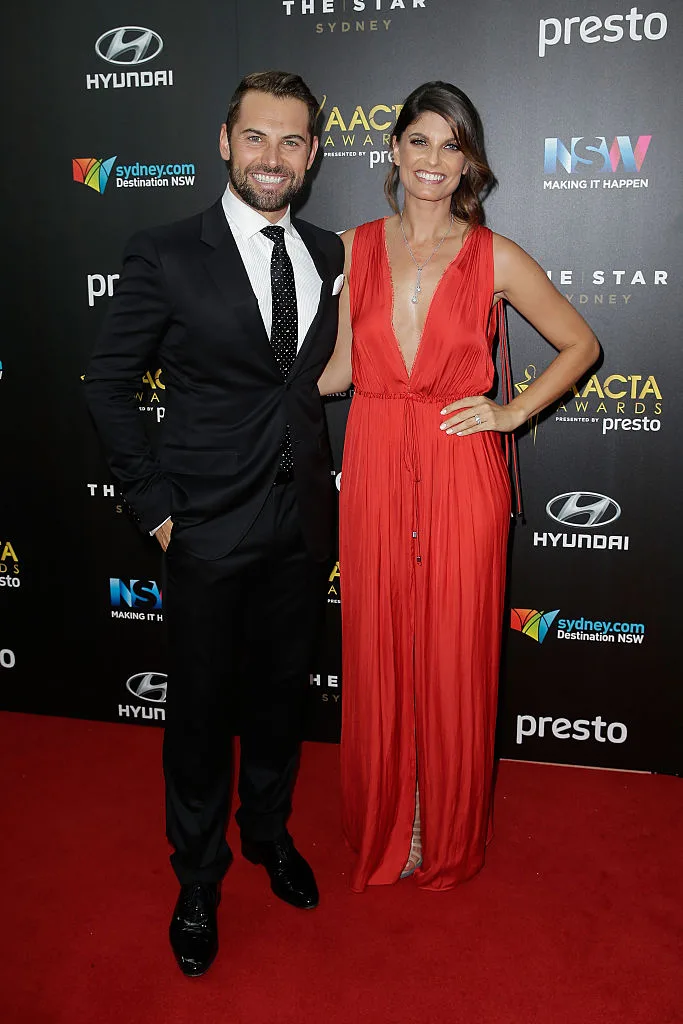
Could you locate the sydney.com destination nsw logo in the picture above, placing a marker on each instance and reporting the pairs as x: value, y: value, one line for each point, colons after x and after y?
x: 95, y: 172
x: 536, y: 625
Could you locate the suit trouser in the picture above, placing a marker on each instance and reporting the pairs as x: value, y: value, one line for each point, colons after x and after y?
x: 241, y: 631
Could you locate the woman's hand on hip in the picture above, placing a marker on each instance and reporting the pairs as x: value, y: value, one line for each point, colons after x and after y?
x: 475, y: 414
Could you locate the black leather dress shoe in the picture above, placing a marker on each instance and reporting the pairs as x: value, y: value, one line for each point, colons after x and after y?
x: 194, y: 931
x: 291, y: 878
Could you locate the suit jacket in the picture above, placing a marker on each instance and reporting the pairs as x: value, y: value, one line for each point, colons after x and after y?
x: 184, y: 302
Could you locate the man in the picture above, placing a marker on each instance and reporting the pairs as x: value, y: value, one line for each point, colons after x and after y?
x: 239, y: 306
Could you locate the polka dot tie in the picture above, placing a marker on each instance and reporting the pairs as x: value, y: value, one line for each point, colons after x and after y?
x: 284, y: 333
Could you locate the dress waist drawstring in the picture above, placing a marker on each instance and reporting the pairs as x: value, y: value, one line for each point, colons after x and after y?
x: 411, y: 449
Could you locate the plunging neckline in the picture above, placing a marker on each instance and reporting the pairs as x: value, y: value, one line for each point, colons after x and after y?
x: 410, y: 372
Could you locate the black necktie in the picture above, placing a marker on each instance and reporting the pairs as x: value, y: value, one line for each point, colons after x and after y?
x: 284, y: 333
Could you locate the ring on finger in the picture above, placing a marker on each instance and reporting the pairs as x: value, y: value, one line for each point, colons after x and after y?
x: 477, y: 418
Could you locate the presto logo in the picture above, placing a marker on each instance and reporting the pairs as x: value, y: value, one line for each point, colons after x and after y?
x: 591, y: 29
x: 562, y: 729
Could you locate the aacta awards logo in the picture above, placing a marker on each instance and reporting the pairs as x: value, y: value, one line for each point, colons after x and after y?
x: 149, y: 397
x: 362, y: 131
x: 96, y: 171
x: 128, y: 47
x: 348, y: 17
x: 333, y: 586
x: 626, y: 402
x: 9, y: 565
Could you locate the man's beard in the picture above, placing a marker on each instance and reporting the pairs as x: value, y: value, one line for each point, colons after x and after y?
x: 269, y: 201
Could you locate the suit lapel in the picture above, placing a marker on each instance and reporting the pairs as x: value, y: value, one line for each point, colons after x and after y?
x: 224, y: 265
x: 325, y: 289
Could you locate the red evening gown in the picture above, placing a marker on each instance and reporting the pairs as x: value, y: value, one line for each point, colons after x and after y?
x: 423, y: 538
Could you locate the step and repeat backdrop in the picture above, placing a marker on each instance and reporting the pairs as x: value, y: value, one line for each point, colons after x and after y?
x: 114, y: 121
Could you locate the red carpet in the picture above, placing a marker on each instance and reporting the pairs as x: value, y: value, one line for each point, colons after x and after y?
x: 576, y: 918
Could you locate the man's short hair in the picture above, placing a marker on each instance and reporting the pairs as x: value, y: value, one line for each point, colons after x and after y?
x: 276, y: 83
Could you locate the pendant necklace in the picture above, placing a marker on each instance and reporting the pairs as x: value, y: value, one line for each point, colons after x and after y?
x: 420, y: 268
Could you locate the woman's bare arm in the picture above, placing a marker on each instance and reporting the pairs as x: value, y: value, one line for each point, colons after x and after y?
x: 337, y: 374
x: 525, y: 285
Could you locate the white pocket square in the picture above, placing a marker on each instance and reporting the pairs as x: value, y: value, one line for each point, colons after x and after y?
x: 338, y: 285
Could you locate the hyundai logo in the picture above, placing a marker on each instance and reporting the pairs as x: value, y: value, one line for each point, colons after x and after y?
x: 583, y: 509
x: 129, y: 45
x: 148, y: 686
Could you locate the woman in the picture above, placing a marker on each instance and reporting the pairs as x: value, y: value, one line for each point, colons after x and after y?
x: 425, y: 497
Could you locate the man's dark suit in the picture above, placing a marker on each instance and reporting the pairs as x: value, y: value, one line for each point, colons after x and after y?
x: 244, y: 555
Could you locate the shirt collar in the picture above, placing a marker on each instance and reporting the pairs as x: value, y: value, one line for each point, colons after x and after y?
x: 250, y: 221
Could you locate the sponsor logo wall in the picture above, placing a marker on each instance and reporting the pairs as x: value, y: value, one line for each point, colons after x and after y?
x: 588, y: 184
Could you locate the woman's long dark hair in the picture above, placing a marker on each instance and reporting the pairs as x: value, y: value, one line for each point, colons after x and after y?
x: 458, y: 110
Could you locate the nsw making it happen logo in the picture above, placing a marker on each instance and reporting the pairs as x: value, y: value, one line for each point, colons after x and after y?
x: 135, y: 599
x: 583, y: 155
x: 95, y: 172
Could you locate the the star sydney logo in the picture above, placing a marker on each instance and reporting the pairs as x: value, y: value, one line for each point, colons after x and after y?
x: 93, y: 172
x: 531, y: 622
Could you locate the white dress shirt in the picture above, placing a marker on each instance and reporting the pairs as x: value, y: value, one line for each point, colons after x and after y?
x: 256, y: 251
